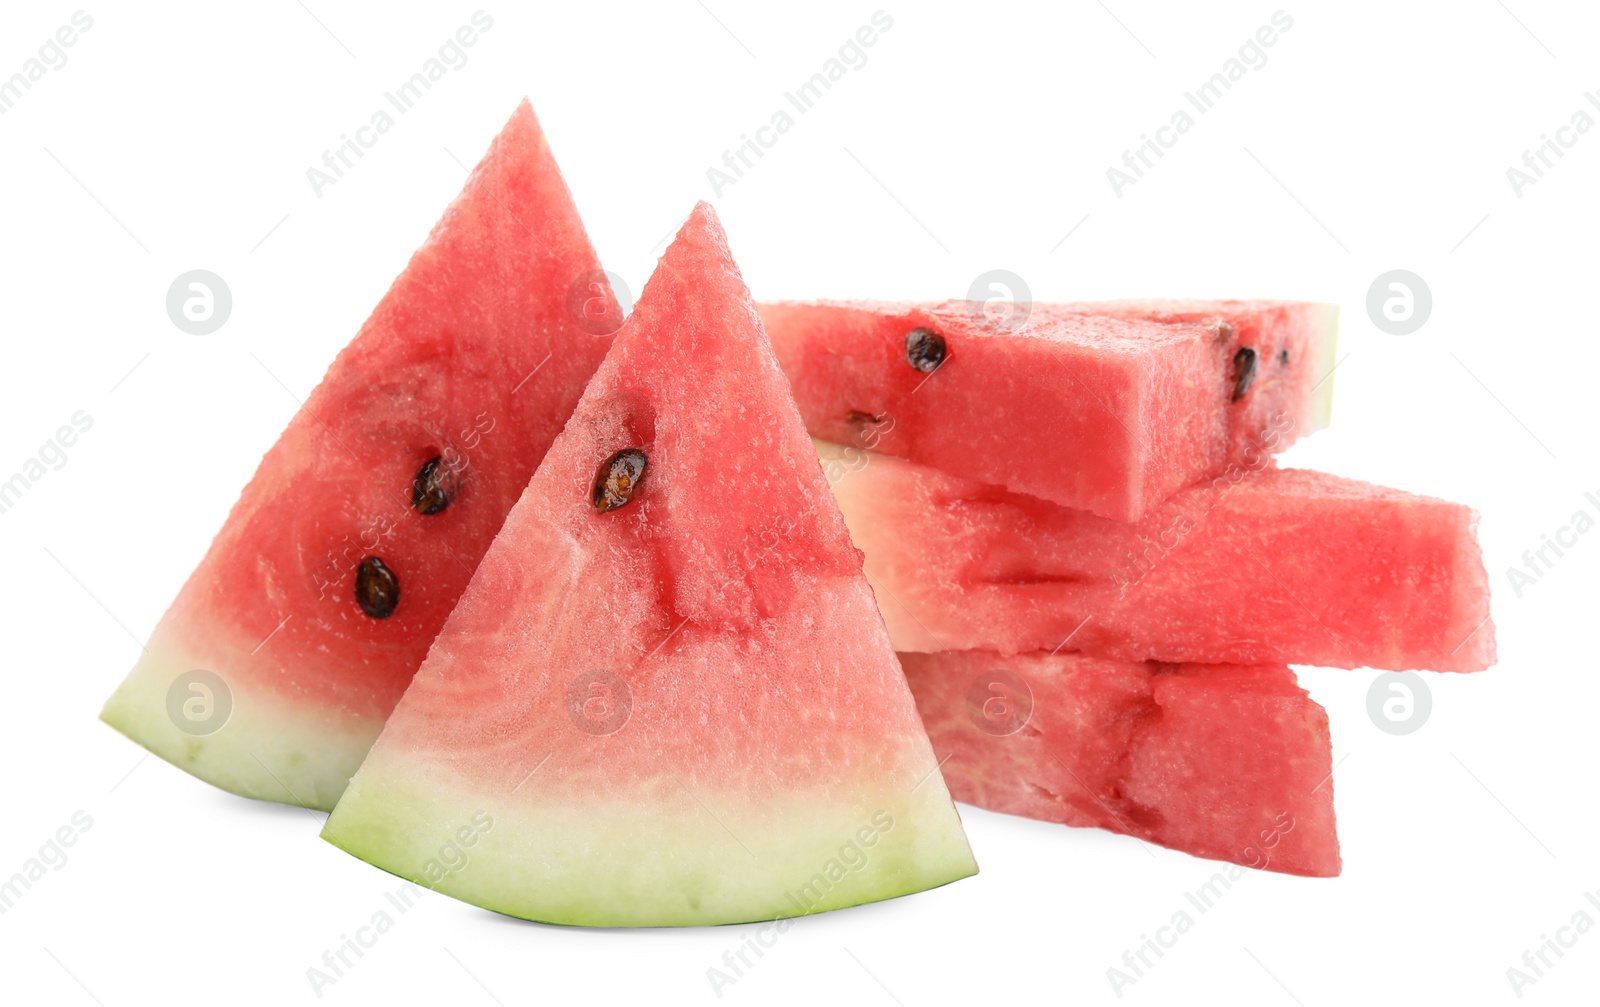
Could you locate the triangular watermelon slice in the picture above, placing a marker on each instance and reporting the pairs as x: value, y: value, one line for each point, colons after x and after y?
x: 279, y: 660
x: 667, y: 697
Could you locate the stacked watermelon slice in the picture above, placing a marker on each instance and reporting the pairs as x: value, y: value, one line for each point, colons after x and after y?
x: 590, y: 604
x: 1095, y: 572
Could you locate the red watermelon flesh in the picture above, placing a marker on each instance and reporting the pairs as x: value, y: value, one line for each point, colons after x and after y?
x: 1108, y: 408
x: 1227, y: 762
x: 682, y: 709
x: 472, y: 358
x: 1279, y: 565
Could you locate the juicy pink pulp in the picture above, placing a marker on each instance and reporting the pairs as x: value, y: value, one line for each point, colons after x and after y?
x: 1222, y: 761
x: 1109, y: 411
x: 726, y: 594
x: 471, y: 354
x: 1275, y: 566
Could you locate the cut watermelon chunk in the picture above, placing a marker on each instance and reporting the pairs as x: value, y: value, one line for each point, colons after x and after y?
x: 1105, y: 407
x: 667, y: 697
x: 1222, y: 761
x: 1284, y: 566
x: 389, y: 484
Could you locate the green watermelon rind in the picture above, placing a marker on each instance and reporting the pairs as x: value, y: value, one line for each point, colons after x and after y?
x: 697, y: 870
x: 267, y: 749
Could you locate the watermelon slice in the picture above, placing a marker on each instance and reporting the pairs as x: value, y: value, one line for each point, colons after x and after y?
x: 337, y: 566
x: 1222, y: 761
x: 1284, y: 566
x: 1108, y: 408
x: 667, y: 697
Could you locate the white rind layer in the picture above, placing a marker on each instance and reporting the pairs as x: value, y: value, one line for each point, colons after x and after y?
x: 1319, y: 411
x: 266, y: 749
x: 665, y: 853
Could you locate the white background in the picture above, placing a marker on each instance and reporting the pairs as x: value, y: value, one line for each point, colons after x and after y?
x: 1377, y: 136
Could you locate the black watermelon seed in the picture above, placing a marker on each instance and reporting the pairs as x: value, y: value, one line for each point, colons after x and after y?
x: 434, y: 487
x: 857, y: 418
x: 617, y: 479
x: 925, y: 350
x: 377, y: 588
x: 1283, y: 356
x: 1244, y: 371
